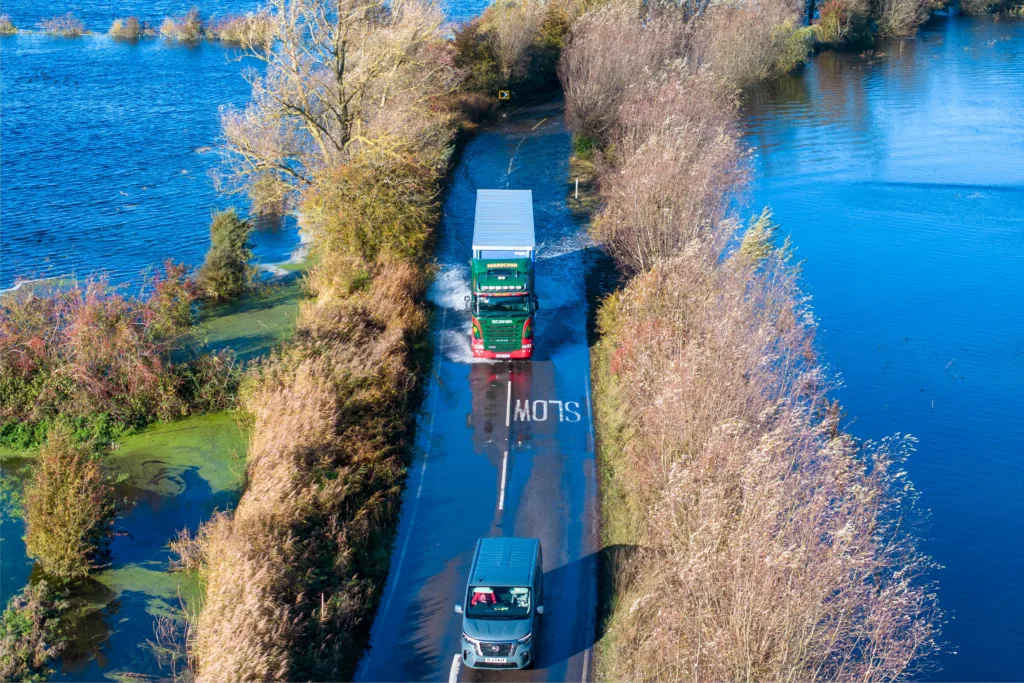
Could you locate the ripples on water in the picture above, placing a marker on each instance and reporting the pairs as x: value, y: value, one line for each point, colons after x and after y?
x: 902, y: 182
x: 107, y: 145
x: 106, y: 152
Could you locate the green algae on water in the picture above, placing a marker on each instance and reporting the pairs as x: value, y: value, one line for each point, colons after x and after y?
x: 255, y: 323
x: 213, y: 443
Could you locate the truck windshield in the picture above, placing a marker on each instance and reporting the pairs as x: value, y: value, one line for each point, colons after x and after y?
x: 502, y: 305
x: 498, y: 602
x: 502, y: 273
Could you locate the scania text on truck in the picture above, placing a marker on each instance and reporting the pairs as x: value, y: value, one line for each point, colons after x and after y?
x: 503, y: 303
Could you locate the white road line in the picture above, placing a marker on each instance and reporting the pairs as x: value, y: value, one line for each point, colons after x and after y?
x: 453, y: 674
x: 590, y: 416
x: 508, y: 403
x: 590, y: 612
x: 504, y: 469
x: 423, y: 472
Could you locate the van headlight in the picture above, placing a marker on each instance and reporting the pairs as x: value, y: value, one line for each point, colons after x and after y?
x: 474, y: 642
x: 525, y: 640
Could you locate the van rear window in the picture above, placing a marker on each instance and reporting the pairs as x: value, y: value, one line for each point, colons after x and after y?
x: 498, y: 602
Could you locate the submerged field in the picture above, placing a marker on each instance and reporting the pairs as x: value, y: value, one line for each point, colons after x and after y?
x: 172, y: 476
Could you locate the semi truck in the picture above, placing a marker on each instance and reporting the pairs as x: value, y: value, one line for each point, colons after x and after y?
x: 503, y: 302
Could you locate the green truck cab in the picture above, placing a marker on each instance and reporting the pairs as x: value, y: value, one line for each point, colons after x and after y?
x: 503, y: 301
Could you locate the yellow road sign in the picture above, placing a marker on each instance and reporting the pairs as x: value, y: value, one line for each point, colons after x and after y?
x: 503, y: 94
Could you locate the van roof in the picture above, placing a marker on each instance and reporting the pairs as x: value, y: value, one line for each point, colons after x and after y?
x: 504, y: 220
x: 504, y: 561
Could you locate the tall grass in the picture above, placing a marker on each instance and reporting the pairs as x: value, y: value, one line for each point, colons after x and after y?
x: 768, y: 543
x: 676, y: 160
x: 749, y: 42
x: 611, y: 50
x: 292, y: 577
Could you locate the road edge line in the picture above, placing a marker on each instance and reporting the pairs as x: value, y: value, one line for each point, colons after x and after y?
x: 423, y: 472
x: 453, y: 673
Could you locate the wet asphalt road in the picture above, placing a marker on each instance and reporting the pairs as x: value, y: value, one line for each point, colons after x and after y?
x: 503, y: 449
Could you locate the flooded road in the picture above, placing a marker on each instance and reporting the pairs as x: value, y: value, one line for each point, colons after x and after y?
x: 503, y: 449
x: 901, y: 181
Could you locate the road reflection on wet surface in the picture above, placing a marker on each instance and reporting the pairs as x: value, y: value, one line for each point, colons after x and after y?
x: 503, y: 449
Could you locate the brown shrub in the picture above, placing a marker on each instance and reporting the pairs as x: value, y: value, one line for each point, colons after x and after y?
x: 129, y: 29
x: 66, y: 26
x: 68, y: 509
x: 188, y: 29
x: 251, y: 31
x: 896, y: 18
x: 786, y: 546
x: 750, y: 42
x: 611, y: 50
x: 675, y: 166
x: 842, y: 21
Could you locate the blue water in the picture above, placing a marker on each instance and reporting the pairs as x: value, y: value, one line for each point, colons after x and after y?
x: 97, y: 15
x: 901, y: 181
x: 106, y: 146
x: 106, y: 151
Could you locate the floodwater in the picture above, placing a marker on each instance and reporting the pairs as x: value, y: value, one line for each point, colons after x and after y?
x: 107, y: 145
x: 174, y: 476
x: 901, y: 181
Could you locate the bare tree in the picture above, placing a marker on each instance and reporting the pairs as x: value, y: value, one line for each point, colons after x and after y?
x: 513, y: 26
x: 334, y: 70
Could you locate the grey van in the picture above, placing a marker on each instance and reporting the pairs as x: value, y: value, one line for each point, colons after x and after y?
x: 504, y: 601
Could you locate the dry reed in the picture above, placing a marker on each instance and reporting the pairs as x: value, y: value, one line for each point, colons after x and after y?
x: 748, y: 536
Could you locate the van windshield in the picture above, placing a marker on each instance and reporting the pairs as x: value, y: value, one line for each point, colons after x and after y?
x: 498, y: 602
